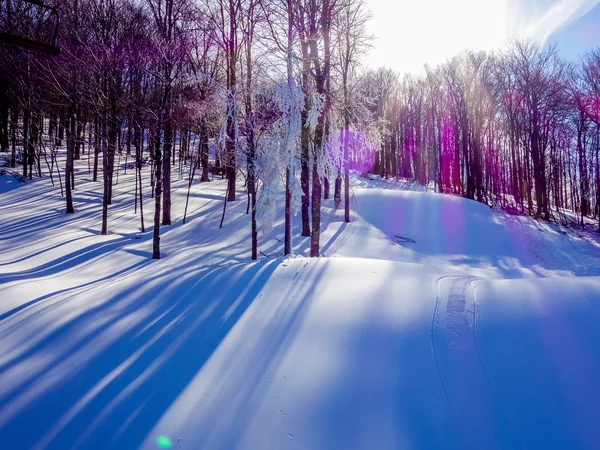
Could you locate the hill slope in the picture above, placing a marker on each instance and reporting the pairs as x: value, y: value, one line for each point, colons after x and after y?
x: 433, y: 322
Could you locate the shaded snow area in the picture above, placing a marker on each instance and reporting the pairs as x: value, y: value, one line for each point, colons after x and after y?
x: 431, y: 322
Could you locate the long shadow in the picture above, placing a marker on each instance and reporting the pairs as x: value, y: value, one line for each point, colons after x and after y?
x: 87, y: 285
x: 115, y: 381
x: 88, y: 333
x: 34, y: 225
x: 94, y: 288
x: 67, y: 262
x: 261, y: 365
x: 12, y: 193
x: 333, y: 238
x: 50, y: 218
x: 29, y: 222
x: 42, y: 251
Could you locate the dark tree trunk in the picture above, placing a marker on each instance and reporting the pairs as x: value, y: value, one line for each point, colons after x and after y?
x: 33, y: 141
x: 69, y: 168
x: 305, y: 144
x: 3, y: 117
x: 78, y: 138
x: 112, y: 148
x: 97, y: 143
x: 204, y: 154
x: 105, y: 180
x: 252, y: 195
x: 305, y: 176
x: 346, y: 173
x: 166, y: 173
x: 14, y: 126
x: 315, y: 234
x: 157, y: 198
x: 287, y: 247
x: 337, y: 191
x: 26, y: 119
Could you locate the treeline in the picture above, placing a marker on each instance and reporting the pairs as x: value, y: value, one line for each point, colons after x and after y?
x: 270, y: 95
x: 518, y: 129
x: 250, y: 82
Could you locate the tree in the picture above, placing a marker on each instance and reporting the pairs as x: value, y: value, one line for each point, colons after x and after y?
x: 350, y: 30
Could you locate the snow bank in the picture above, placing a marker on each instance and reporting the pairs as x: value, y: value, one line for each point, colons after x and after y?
x: 432, y: 322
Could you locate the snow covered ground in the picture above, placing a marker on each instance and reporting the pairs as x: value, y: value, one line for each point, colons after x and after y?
x: 431, y: 322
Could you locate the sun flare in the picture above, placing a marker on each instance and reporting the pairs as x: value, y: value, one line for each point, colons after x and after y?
x: 411, y: 34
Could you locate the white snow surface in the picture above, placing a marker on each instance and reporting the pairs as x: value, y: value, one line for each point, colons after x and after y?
x: 430, y: 322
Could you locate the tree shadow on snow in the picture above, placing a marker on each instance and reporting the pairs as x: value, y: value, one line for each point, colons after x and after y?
x: 108, y: 372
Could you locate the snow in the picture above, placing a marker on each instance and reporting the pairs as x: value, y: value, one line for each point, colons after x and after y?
x: 430, y: 322
x: 548, y: 330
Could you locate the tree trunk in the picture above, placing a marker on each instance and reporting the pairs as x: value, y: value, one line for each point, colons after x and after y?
x: 13, y: 130
x: 287, y: 247
x: 204, y: 154
x: 316, y: 211
x: 33, y: 141
x: 166, y: 173
x: 97, y: 143
x: 157, y: 198
x: 69, y: 167
x: 105, y: 180
x: 305, y: 144
x: 26, y: 119
x: 78, y: 135
x: 4, y: 117
x: 346, y: 171
x: 112, y: 148
x: 337, y: 196
x: 305, y: 175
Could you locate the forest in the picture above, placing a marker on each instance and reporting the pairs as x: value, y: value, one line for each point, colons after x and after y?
x: 224, y: 227
x: 274, y: 96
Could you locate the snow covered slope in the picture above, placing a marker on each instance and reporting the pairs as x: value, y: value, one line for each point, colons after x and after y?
x: 432, y: 322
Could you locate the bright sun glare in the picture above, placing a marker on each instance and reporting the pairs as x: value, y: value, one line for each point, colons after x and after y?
x: 411, y: 33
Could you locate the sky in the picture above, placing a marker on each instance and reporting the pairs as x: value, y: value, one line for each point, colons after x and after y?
x: 412, y: 33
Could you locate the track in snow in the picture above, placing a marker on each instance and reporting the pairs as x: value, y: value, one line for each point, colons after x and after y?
x: 479, y: 413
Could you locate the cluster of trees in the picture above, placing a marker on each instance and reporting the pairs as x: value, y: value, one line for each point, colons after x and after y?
x: 250, y: 90
x: 518, y: 129
x: 270, y: 95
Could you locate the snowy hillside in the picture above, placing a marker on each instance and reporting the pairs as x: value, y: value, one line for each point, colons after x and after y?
x: 430, y: 322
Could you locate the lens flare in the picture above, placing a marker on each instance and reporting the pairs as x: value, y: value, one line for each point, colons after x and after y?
x: 163, y: 441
